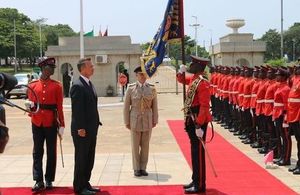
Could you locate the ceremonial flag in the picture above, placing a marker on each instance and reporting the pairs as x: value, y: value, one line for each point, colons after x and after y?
x: 105, y: 34
x: 269, y: 157
x: 89, y: 34
x: 100, y: 33
x: 171, y: 28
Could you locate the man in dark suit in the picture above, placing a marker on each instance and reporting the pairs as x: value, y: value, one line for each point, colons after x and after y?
x: 84, y: 127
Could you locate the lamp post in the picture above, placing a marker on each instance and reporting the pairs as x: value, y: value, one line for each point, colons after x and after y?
x: 40, y: 22
x: 211, y: 48
x: 15, y: 46
x: 294, y: 49
x: 281, y: 32
x: 196, y: 25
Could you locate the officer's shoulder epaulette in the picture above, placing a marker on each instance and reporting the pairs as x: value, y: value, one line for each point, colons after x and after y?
x: 56, y: 81
x: 34, y: 81
x: 151, y: 84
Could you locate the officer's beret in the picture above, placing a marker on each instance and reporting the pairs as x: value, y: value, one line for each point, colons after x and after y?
x: 248, y: 69
x: 47, y: 61
x: 263, y: 69
x: 198, y: 64
x: 138, y: 69
x: 256, y: 68
x: 283, y: 71
x: 271, y: 69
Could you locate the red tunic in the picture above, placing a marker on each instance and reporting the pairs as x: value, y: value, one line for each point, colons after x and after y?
x: 226, y: 86
x: 235, y: 90
x: 280, y: 99
x: 49, y: 92
x: 240, y: 95
x: 260, y: 97
x: 201, y: 98
x: 230, y: 87
x: 293, y: 114
x: 247, y: 91
x: 257, y: 83
x: 269, y: 98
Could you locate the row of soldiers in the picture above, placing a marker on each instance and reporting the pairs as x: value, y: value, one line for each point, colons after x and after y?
x: 261, y: 105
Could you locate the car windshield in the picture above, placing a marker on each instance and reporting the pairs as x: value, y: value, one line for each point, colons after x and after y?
x: 22, y: 78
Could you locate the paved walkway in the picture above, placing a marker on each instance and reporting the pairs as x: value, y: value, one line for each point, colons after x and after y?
x: 113, y: 164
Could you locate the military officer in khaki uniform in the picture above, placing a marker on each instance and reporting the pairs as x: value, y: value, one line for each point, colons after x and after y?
x: 140, y: 116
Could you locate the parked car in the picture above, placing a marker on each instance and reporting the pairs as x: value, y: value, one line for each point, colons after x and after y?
x: 23, y: 79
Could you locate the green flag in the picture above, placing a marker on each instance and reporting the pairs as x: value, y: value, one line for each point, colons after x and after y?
x: 89, y: 34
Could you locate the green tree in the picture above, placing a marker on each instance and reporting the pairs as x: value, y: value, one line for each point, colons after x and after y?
x: 53, y: 32
x: 272, y: 39
x: 26, y: 35
x: 292, y: 42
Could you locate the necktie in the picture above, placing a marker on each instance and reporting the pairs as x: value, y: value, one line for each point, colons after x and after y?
x: 92, y: 87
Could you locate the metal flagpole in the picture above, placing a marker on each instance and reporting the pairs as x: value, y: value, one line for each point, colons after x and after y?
x: 81, y: 31
x: 182, y: 45
x: 15, y: 46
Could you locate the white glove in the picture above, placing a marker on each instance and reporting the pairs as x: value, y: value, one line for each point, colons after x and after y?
x: 61, y: 131
x: 182, y: 68
x: 29, y: 104
x: 199, y: 132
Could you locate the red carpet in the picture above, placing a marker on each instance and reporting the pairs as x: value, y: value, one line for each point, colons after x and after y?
x: 237, y: 174
x: 106, y: 190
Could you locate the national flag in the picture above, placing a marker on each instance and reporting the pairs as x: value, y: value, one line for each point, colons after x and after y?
x: 269, y: 157
x: 89, y: 34
x: 171, y: 28
x: 105, y: 34
x: 100, y: 33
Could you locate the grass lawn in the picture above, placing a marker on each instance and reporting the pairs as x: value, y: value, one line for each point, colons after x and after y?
x: 11, y: 70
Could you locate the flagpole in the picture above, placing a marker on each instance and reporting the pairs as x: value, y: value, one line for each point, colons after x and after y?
x: 81, y: 31
x: 182, y: 45
x: 15, y: 46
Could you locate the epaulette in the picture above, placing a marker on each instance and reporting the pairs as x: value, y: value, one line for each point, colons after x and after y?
x: 151, y: 84
x: 56, y: 81
x: 33, y: 81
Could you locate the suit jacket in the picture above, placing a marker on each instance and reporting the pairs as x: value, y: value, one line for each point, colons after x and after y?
x: 140, y: 107
x: 84, y: 108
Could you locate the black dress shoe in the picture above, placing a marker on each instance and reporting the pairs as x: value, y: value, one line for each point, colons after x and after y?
x: 192, y: 190
x: 87, y: 192
x: 255, y: 145
x: 90, y: 188
x: 186, y: 186
x: 137, y: 173
x: 292, y: 169
x: 49, y: 185
x: 143, y: 172
x: 38, y: 186
x: 284, y: 163
x: 94, y: 189
x: 297, y: 171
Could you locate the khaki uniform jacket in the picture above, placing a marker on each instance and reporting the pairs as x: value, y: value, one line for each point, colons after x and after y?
x: 140, y: 107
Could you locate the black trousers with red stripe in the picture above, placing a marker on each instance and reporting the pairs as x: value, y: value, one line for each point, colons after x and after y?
x: 40, y: 135
x: 198, y: 157
x: 295, y: 127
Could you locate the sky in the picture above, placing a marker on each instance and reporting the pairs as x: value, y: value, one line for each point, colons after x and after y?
x: 140, y: 18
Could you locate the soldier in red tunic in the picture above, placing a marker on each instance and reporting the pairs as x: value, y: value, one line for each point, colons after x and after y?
x: 46, y: 123
x: 197, y: 114
x: 293, y: 114
x: 284, y: 141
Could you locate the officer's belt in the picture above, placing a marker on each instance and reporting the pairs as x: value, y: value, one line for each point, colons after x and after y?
x: 48, y: 106
x: 194, y: 109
